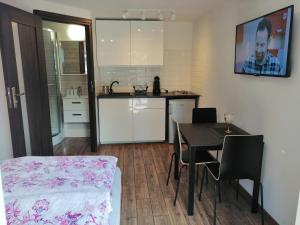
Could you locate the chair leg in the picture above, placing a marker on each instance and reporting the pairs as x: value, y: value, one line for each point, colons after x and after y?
x: 262, y: 204
x: 178, y: 181
x: 202, y: 179
x: 215, y: 203
x: 170, y: 167
x: 237, y: 189
x: 219, y: 189
x: 206, y: 175
x: 197, y: 175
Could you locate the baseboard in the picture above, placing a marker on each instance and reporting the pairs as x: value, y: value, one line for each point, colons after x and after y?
x: 248, y: 197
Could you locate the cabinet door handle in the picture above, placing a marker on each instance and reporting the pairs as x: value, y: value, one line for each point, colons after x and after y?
x: 76, y: 114
x: 76, y: 102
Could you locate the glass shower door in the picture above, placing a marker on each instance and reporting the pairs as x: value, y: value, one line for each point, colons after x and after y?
x: 50, y: 45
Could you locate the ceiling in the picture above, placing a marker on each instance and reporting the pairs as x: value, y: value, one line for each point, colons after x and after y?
x: 186, y: 10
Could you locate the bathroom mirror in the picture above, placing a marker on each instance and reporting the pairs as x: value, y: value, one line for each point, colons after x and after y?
x: 73, y: 57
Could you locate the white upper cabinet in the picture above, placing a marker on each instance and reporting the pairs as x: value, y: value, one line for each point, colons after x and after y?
x: 113, y: 42
x: 123, y: 43
x: 147, y: 39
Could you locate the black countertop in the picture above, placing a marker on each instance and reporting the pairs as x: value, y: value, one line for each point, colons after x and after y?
x: 169, y: 95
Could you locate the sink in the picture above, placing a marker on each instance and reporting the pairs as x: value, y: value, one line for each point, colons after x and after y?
x: 121, y: 94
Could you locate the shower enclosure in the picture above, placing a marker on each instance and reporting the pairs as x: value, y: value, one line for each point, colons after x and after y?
x: 52, y: 66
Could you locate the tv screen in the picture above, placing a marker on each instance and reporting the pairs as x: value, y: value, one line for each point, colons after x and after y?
x: 262, y: 45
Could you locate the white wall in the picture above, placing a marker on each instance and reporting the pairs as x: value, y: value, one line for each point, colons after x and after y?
x: 261, y: 105
x: 29, y: 5
x: 298, y: 212
x: 176, y: 71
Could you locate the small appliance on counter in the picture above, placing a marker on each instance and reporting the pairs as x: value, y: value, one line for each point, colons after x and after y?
x: 140, y: 89
x: 156, y: 85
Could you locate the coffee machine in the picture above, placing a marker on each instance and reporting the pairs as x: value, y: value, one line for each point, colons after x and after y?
x: 156, y: 85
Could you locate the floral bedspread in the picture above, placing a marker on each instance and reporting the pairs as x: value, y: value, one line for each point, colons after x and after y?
x: 65, y: 190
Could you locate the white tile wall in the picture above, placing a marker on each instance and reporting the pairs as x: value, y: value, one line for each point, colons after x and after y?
x: 73, y: 81
x: 127, y: 77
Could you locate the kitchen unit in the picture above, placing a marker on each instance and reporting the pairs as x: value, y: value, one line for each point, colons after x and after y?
x: 181, y: 110
x: 130, y: 118
x: 129, y: 43
x: 76, y: 110
x: 126, y: 120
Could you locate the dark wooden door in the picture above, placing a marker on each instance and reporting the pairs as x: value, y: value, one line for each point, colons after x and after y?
x: 87, y: 23
x: 24, y: 68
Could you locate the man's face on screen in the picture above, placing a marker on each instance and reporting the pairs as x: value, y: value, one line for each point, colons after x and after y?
x: 261, y: 48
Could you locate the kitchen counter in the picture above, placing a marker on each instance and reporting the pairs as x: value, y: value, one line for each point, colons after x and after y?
x: 127, y: 118
x: 169, y: 95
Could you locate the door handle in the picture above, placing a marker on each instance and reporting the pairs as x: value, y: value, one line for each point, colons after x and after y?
x: 19, y: 95
x: 14, y: 97
x: 15, y: 100
x: 9, y: 98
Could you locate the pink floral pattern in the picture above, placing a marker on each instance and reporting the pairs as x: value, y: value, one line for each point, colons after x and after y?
x: 58, y: 190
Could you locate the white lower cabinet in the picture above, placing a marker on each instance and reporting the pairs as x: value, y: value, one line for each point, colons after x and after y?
x: 76, y: 110
x: 115, y: 117
x: 132, y: 120
x: 149, y: 125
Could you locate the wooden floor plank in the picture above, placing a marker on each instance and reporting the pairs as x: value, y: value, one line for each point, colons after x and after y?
x: 162, y: 220
x: 144, y: 212
x: 141, y: 187
x: 175, y: 212
x: 146, y: 200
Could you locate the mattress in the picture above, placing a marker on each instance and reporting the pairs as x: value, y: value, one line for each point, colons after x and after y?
x: 115, y: 215
x: 61, y: 190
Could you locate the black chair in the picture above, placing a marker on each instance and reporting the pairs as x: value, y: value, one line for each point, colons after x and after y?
x: 241, y: 159
x: 204, y: 115
x: 201, y: 158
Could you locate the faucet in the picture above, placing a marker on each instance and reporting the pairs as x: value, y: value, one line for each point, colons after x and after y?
x: 110, y: 88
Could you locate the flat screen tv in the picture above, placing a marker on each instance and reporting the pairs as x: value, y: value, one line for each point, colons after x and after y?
x: 262, y: 45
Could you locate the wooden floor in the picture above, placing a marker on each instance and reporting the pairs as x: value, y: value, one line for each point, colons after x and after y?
x: 72, y: 146
x: 146, y: 200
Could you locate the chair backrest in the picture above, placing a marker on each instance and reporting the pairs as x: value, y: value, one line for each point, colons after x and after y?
x: 242, y: 157
x: 177, y: 138
x: 204, y: 115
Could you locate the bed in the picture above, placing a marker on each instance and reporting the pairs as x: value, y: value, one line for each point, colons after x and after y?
x: 62, y: 190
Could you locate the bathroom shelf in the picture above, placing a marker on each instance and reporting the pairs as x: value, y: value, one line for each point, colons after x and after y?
x: 70, y: 74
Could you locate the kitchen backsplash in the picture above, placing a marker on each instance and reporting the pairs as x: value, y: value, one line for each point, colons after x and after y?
x: 127, y: 76
x: 174, y: 74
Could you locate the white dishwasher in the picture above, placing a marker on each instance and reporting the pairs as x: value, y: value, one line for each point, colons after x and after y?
x: 181, y: 110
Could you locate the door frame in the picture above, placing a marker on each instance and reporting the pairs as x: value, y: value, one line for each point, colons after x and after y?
x: 87, y: 23
x: 10, y: 14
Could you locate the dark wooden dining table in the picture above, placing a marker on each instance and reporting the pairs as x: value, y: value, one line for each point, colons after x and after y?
x: 204, y: 137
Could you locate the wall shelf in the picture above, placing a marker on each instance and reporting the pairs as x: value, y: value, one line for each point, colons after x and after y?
x: 71, y: 74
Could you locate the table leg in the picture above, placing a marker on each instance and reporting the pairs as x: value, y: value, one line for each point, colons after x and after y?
x: 191, y: 185
x: 255, y: 195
